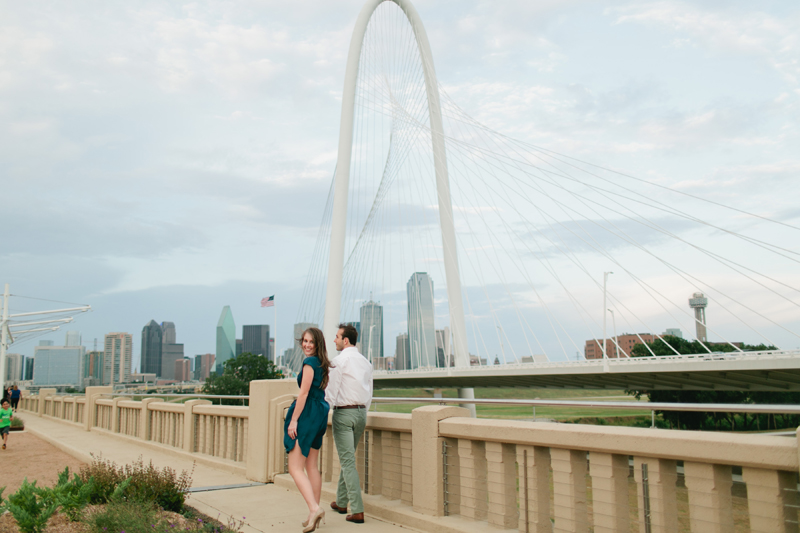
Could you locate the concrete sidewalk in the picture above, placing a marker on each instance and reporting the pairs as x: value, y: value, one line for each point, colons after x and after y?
x: 262, y: 508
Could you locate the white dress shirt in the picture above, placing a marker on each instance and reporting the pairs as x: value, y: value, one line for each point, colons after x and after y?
x: 349, y: 380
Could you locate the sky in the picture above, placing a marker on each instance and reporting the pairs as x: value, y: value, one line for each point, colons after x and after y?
x: 160, y: 160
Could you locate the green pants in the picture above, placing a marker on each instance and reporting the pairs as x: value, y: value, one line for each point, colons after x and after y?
x: 348, y: 426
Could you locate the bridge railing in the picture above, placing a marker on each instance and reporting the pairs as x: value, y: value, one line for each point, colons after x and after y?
x: 509, y: 474
x: 612, y: 361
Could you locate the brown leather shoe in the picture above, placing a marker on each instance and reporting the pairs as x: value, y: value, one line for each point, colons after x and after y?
x: 357, y: 518
x: 340, y: 510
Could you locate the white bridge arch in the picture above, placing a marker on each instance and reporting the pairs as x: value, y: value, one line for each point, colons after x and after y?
x: 333, y: 297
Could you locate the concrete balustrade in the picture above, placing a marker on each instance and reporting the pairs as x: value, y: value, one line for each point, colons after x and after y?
x: 447, y: 470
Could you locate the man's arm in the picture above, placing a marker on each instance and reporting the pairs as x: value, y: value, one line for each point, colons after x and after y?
x: 334, y: 383
x: 369, y: 380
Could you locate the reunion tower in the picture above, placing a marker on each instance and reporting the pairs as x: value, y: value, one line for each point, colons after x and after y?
x: 698, y: 302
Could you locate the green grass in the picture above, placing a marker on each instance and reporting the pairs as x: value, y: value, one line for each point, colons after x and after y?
x: 519, y: 412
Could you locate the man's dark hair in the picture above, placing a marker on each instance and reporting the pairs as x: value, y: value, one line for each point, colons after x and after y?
x: 349, y: 332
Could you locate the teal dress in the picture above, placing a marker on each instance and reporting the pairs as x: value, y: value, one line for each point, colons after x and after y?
x: 313, y: 421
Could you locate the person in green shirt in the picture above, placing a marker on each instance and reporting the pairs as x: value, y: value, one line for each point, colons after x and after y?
x: 6, y: 416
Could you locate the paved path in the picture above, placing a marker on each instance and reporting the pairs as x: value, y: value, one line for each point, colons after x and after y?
x: 264, y: 508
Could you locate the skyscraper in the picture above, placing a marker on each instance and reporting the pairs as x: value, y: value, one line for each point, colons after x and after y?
x: 226, y: 339
x: 182, y: 370
x: 152, y: 340
x: 93, y: 366
x: 117, y: 357
x: 58, y: 365
x: 371, y: 337
x: 72, y: 338
x: 421, y: 337
x: 444, y: 348
x: 14, y: 367
x: 255, y: 339
x: 29, y: 364
x: 402, y: 354
x: 169, y: 354
x: 168, y: 333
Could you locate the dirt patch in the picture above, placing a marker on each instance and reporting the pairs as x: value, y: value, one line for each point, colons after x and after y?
x: 28, y: 456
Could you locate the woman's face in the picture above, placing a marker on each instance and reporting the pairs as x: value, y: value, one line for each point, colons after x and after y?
x: 308, y: 345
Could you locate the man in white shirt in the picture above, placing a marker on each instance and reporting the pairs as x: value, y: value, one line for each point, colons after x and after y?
x: 349, y: 393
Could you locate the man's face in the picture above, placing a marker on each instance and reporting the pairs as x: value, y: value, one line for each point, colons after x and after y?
x: 341, y: 342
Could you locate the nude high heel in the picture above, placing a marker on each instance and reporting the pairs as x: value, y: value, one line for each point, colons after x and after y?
x: 313, y: 522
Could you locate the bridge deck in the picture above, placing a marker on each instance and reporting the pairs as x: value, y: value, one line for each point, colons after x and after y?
x: 267, y: 507
x: 757, y: 371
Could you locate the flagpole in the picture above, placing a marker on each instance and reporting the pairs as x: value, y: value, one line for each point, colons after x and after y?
x: 275, y: 334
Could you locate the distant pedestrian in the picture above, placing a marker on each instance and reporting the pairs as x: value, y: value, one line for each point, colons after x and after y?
x: 16, y: 394
x: 306, y: 423
x: 349, y: 394
x: 6, y: 416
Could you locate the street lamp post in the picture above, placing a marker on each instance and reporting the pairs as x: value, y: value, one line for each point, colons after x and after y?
x: 369, y: 348
x: 605, y: 354
x: 616, y: 339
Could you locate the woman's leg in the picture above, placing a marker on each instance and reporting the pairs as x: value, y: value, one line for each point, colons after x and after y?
x: 296, y: 464
x: 312, y: 470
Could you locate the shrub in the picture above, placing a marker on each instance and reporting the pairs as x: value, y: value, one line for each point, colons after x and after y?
x: 17, y: 422
x: 159, y: 485
x: 73, y: 495
x: 32, y: 506
x: 105, y: 477
x: 148, y: 483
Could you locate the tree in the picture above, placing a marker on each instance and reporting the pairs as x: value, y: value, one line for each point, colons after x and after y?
x: 237, y: 374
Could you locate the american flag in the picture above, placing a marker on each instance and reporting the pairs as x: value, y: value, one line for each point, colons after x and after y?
x: 268, y: 302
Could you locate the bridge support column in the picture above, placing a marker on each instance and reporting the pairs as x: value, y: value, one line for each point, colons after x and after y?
x: 468, y: 394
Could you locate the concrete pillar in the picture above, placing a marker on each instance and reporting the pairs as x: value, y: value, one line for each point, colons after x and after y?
x: 610, y: 492
x: 534, y: 489
x: 144, y: 418
x: 569, y: 491
x: 376, y: 462
x: 472, y: 457
x: 265, y: 432
x: 453, y: 478
x: 189, y: 423
x: 406, y: 472
x: 115, y: 414
x: 92, y: 393
x: 771, y: 500
x: 710, y: 507
x: 501, y: 484
x: 662, y: 478
x: 43, y: 395
x: 392, y: 471
x: 327, y: 452
x: 427, y: 463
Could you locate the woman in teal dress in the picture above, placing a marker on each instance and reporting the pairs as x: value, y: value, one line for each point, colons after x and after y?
x: 306, y: 422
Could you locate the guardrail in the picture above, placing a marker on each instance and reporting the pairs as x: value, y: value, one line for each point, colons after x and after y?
x: 612, y: 361
x: 511, y: 474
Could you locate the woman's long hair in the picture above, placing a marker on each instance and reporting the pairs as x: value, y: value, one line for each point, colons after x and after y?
x: 320, y: 351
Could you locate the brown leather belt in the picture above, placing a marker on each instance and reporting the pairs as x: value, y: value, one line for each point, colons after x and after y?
x: 350, y: 407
